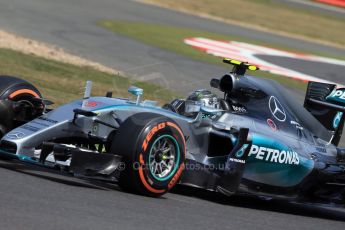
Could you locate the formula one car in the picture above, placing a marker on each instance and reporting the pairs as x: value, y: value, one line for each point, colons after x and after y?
x: 256, y: 140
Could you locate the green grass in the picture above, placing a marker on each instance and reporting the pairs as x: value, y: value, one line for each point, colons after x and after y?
x: 171, y: 39
x: 62, y: 82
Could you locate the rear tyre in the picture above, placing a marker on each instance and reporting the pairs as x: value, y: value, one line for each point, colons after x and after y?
x: 13, y: 89
x: 153, y: 151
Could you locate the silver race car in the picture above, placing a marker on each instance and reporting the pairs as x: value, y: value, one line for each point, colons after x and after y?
x: 255, y: 140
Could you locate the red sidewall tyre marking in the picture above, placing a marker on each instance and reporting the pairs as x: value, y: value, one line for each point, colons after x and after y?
x: 145, y: 145
x: 143, y: 180
x: 23, y: 91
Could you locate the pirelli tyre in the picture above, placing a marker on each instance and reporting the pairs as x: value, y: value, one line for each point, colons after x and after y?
x: 13, y: 89
x: 153, y: 150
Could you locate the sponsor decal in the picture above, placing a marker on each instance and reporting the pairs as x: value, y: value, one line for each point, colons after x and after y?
x: 39, y: 123
x: 15, y: 135
x: 239, y: 154
x: 274, y: 155
x: 271, y: 124
x: 176, y: 177
x: 337, y: 119
x: 277, y: 109
x: 298, y: 126
x: 239, y: 109
x: 237, y: 160
x: 154, y: 130
x: 143, y: 179
x: 48, y: 120
x: 253, y: 53
x: 31, y: 128
x: 338, y: 94
x: 91, y: 104
x: 241, y: 151
x: 208, y: 116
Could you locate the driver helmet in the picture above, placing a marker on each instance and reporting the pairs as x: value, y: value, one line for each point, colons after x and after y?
x: 201, y: 98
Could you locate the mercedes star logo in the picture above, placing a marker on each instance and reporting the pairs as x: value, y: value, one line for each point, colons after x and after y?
x: 277, y: 109
x: 15, y: 135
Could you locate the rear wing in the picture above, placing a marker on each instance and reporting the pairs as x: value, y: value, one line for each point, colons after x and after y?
x: 326, y: 103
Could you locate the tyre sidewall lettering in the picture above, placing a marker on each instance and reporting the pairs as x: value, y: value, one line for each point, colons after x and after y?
x: 153, y: 132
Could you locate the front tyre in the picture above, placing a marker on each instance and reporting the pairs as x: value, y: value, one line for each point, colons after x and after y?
x: 153, y: 150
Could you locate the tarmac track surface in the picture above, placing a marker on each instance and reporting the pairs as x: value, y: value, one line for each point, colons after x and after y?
x: 36, y: 198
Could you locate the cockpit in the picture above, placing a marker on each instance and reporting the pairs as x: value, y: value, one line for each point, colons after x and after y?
x: 201, y: 100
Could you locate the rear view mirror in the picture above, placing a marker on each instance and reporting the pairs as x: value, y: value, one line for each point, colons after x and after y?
x: 137, y: 92
x: 214, y: 83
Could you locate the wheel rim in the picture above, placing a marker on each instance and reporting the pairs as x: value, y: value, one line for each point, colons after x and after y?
x: 164, y: 154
